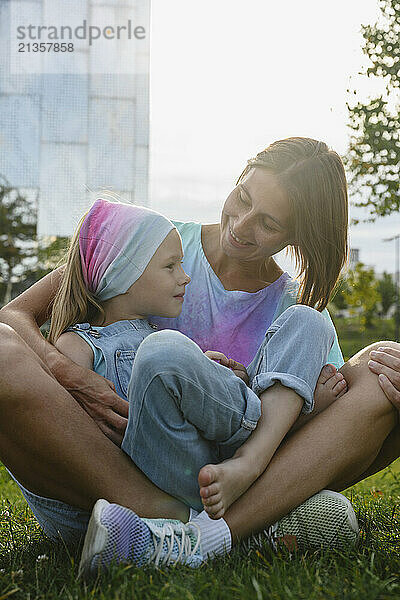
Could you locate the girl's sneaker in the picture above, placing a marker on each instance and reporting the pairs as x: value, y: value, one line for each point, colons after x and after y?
x: 117, y: 534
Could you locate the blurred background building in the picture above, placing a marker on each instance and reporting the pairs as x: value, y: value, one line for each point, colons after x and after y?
x: 73, y: 122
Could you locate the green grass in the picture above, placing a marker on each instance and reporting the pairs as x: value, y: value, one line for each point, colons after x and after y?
x: 32, y: 568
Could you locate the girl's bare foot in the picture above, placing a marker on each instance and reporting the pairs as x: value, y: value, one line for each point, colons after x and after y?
x: 331, y: 385
x: 220, y: 485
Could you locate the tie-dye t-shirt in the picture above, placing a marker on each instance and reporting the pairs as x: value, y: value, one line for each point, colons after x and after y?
x: 232, y: 322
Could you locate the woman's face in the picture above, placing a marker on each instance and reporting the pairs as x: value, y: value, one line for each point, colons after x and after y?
x: 255, y: 218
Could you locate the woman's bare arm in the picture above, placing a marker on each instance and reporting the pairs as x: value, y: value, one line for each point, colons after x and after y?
x: 25, y: 314
x: 29, y: 311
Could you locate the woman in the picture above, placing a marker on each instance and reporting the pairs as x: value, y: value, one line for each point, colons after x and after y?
x: 277, y: 203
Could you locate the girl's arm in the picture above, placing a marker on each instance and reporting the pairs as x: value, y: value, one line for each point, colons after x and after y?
x: 25, y: 314
x: 74, y: 347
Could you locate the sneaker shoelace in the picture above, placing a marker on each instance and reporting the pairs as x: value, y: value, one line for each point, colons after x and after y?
x: 182, y: 538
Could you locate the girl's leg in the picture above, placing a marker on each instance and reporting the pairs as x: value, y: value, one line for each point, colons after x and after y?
x: 331, y: 386
x: 332, y: 451
x: 284, y: 373
x: 55, y: 449
x: 185, y: 411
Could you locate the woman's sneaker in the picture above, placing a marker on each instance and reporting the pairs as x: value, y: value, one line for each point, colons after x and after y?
x: 116, y: 534
x: 326, y: 520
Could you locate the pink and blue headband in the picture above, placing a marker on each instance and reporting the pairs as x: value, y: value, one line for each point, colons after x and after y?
x: 116, y: 243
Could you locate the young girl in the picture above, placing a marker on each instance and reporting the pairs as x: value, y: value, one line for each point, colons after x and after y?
x: 189, y: 413
x: 124, y: 265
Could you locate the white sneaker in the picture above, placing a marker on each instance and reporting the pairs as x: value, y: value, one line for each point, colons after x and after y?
x: 326, y: 520
x: 116, y: 534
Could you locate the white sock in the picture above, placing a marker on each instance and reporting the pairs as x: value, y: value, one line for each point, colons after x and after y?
x: 216, y: 536
x: 192, y: 513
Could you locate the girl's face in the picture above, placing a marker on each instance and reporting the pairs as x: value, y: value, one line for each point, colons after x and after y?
x: 255, y: 218
x: 160, y: 289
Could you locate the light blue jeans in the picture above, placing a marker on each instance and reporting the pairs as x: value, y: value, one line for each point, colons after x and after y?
x: 187, y: 410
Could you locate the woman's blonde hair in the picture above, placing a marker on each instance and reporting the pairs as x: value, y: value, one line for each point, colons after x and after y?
x: 314, y: 180
x: 73, y: 302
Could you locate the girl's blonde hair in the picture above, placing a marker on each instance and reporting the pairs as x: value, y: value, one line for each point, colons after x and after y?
x: 73, y: 302
x: 314, y: 180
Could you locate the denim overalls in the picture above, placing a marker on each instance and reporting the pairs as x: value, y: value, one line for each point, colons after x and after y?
x: 118, y: 344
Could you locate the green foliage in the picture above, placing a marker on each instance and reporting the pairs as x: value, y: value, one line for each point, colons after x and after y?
x: 353, y: 336
x: 374, y: 154
x: 362, y: 292
x: 17, y: 237
x: 338, y: 299
x: 50, y: 254
x: 387, y: 291
x: 365, y: 296
x: 23, y: 258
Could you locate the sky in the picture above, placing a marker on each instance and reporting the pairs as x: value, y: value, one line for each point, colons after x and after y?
x: 229, y: 77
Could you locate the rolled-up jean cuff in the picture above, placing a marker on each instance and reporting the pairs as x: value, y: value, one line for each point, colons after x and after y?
x: 263, y: 381
x: 252, y: 413
x: 248, y: 424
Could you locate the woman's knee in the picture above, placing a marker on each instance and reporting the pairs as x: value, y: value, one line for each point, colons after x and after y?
x: 11, y: 347
x: 7, y: 333
x: 17, y: 358
x: 357, y: 366
x: 359, y: 376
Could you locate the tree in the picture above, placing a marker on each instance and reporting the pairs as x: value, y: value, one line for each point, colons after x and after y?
x: 374, y: 154
x: 17, y: 237
x: 23, y: 258
x: 362, y: 293
x: 338, y: 299
x: 387, y: 291
x: 50, y: 254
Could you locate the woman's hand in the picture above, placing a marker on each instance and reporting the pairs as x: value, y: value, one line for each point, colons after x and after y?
x: 97, y: 396
x: 385, y: 362
x: 93, y: 392
x: 236, y: 367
